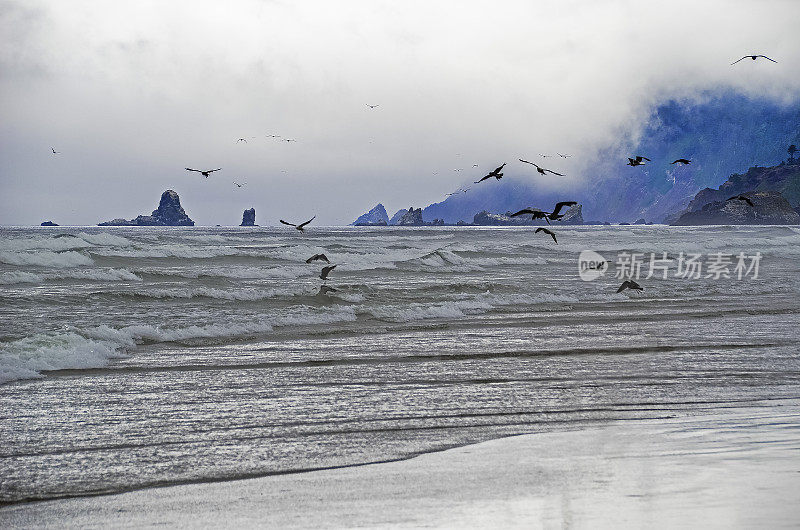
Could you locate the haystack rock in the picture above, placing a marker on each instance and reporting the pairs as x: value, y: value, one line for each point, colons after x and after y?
x: 375, y: 217
x: 249, y: 217
x: 168, y: 213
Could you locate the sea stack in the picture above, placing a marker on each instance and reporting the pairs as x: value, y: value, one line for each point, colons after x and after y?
x: 168, y: 213
x: 249, y: 217
x: 375, y: 217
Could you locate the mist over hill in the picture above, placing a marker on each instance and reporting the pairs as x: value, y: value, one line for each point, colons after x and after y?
x: 721, y: 133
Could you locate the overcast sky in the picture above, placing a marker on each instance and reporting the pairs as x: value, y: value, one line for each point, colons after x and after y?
x: 130, y: 93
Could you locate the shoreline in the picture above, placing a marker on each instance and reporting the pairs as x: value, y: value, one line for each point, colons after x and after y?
x: 736, y: 467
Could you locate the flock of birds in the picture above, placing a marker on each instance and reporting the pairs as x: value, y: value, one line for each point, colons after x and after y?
x: 497, y: 174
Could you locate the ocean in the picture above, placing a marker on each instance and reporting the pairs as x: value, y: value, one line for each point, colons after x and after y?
x: 141, y: 357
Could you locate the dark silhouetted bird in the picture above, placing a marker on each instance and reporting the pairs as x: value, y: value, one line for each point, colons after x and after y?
x: 740, y: 198
x: 753, y: 57
x: 496, y: 173
x: 535, y: 213
x: 546, y: 231
x: 630, y: 284
x: 325, y: 271
x: 372, y: 106
x: 558, y: 207
x: 563, y: 156
x: 683, y: 161
x: 240, y: 185
x: 241, y: 140
x: 541, y: 170
x: 633, y: 162
x: 316, y: 257
x: 54, y: 151
x: 204, y: 173
x: 300, y: 226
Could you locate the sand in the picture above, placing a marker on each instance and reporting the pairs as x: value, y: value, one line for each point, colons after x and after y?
x: 737, y: 467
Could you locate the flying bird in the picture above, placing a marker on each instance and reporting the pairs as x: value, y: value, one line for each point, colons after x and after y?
x: 372, y: 106
x: 325, y: 271
x: 459, y: 190
x: 753, y: 57
x: 534, y: 212
x: 496, y: 173
x: 324, y: 289
x: 683, y: 161
x: 240, y: 185
x: 740, y: 198
x: 541, y: 170
x: 630, y: 284
x: 546, y: 231
x: 204, y: 173
x: 273, y: 136
x: 289, y: 140
x: 316, y: 257
x: 555, y: 216
x: 563, y: 156
x: 300, y: 226
x: 241, y: 140
x: 633, y: 162
x: 54, y: 151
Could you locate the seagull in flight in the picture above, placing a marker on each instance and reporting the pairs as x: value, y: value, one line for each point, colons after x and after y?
x: 320, y: 257
x: 241, y: 140
x: 372, y: 106
x: 300, y: 226
x: 325, y: 271
x: 289, y: 140
x: 240, y: 185
x: 546, y: 231
x: 273, y: 136
x: 753, y: 57
x: 54, y: 151
x: 563, y: 156
x: 630, y: 284
x: 204, y: 173
x: 555, y: 215
x: 633, y: 162
x: 683, y: 161
x: 496, y: 173
x: 740, y: 198
x: 534, y: 212
x: 541, y: 170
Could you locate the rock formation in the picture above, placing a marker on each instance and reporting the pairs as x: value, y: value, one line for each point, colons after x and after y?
x: 249, y: 217
x: 397, y: 216
x: 783, y: 178
x: 412, y: 218
x: 168, y: 213
x: 48, y: 223
x: 375, y: 217
x: 769, y: 208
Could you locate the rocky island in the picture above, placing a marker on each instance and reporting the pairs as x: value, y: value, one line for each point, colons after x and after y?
x: 168, y: 213
x: 774, y: 192
x: 249, y: 217
x: 375, y: 217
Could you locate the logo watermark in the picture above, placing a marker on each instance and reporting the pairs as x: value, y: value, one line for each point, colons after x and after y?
x: 636, y: 265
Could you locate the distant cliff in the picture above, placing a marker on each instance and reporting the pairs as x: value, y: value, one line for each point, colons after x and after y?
x: 168, y: 213
x: 375, y: 217
x: 783, y: 179
x: 768, y: 208
x: 412, y: 218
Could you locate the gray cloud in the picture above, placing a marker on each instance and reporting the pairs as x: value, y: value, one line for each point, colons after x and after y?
x: 131, y: 93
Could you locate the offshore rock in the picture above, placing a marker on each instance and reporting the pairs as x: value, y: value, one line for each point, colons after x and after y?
x: 168, y: 213
x: 249, y: 217
x: 769, y: 208
x: 412, y: 218
x: 375, y: 217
